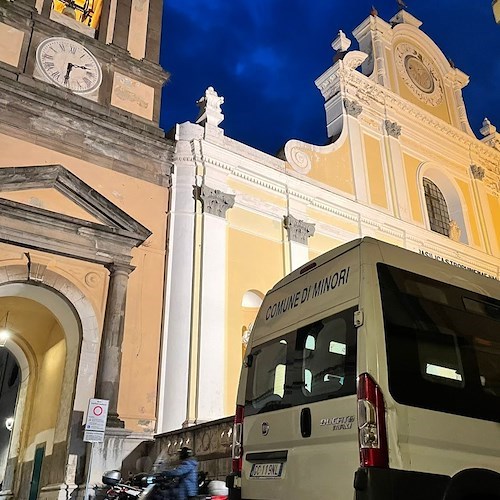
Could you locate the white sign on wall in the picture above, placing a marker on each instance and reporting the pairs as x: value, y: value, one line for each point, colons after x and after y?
x: 97, y: 415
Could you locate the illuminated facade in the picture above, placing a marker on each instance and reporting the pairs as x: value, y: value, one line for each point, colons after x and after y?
x: 402, y: 165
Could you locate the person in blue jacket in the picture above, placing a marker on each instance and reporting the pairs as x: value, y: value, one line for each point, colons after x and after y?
x: 187, y: 472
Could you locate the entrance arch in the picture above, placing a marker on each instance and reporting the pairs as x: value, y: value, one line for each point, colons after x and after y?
x: 67, y: 360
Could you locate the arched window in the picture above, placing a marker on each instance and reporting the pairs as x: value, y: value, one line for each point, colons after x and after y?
x: 437, y: 209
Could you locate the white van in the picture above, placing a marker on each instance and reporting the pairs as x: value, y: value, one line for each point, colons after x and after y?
x: 372, y: 372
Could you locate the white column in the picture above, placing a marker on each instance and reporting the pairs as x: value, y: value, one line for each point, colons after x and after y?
x: 397, y: 176
x: 212, y: 339
x: 174, y: 370
x: 353, y: 110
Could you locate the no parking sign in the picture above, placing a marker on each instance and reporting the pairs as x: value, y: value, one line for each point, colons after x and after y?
x: 97, y: 415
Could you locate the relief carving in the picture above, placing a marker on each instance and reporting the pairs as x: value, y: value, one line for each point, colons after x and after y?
x: 216, y: 202
x: 298, y: 230
x: 392, y: 128
x: 477, y: 172
x: 352, y: 108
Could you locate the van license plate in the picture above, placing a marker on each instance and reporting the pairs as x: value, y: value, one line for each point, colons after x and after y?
x: 266, y: 470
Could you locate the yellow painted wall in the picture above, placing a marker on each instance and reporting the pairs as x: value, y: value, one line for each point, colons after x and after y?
x: 253, y: 263
x: 142, y: 201
x: 471, y: 212
x: 333, y: 169
x: 375, y: 169
x: 47, y: 382
x: 411, y: 165
x: 494, y: 206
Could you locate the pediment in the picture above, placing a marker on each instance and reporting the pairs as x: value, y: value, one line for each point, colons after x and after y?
x: 54, y: 189
x: 50, y: 209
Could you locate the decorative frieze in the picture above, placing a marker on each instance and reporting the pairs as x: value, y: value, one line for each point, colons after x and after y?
x: 477, y: 172
x: 216, y: 202
x: 392, y: 129
x: 352, y: 108
x: 298, y: 230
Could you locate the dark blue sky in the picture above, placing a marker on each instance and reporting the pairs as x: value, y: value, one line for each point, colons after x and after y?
x: 263, y: 56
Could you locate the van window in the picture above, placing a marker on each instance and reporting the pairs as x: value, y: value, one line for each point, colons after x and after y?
x: 310, y: 364
x: 443, y: 345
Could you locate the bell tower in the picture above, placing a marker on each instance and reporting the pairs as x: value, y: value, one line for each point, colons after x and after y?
x: 105, y: 51
x: 84, y: 195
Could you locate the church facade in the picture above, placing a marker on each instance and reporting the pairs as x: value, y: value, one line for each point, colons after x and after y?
x: 84, y: 193
x: 402, y: 165
x: 133, y: 262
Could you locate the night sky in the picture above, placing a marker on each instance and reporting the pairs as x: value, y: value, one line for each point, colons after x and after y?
x: 263, y: 56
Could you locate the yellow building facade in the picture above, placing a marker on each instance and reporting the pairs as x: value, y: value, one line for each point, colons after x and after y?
x: 402, y: 165
x: 84, y: 175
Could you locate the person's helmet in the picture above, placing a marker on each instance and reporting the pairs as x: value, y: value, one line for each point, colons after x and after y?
x: 185, y: 452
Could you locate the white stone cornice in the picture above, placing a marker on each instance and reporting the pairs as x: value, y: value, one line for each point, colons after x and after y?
x: 374, y: 92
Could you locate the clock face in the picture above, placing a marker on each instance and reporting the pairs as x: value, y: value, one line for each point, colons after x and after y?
x: 69, y: 64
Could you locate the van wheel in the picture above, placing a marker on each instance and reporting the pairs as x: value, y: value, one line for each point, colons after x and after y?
x: 474, y: 484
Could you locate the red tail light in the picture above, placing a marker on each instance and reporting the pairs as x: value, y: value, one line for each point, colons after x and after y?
x: 238, y: 439
x: 371, y: 424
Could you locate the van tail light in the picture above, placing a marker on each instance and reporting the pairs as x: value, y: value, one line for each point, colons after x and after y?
x: 371, y: 424
x: 238, y: 439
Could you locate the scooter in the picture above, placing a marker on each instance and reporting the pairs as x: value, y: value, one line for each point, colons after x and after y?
x: 140, y: 487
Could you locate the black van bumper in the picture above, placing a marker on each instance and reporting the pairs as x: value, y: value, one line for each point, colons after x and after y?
x: 383, y: 484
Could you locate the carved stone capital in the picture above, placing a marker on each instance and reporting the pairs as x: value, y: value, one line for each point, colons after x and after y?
x: 298, y: 230
x: 392, y: 129
x: 477, y: 172
x: 352, y: 108
x: 216, y: 202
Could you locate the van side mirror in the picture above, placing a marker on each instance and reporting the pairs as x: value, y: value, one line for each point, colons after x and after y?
x: 248, y: 361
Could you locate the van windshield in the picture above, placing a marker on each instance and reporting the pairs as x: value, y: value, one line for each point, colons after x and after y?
x: 443, y: 345
x: 314, y: 363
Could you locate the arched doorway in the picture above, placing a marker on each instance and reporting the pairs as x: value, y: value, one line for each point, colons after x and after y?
x: 10, y: 376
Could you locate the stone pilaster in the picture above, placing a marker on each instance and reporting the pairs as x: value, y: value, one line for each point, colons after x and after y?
x: 108, y: 374
x: 213, y: 290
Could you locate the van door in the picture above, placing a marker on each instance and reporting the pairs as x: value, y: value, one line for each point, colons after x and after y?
x: 300, y: 436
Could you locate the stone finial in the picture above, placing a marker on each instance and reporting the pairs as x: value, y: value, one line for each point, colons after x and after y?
x: 341, y: 43
x: 392, y: 129
x: 210, y: 108
x: 455, y: 231
x: 352, y: 108
x: 487, y: 128
x: 477, y: 172
x: 216, y: 202
x: 298, y: 230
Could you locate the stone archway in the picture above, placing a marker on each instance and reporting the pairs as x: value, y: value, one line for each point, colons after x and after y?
x: 79, y: 327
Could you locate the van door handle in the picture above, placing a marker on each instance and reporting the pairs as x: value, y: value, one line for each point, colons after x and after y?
x: 305, y: 422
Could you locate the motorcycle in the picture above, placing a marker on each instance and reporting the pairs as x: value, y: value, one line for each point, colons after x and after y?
x: 141, y: 486
x: 156, y: 486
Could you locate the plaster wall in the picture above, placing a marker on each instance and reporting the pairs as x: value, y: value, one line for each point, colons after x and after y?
x: 376, y: 177
x: 253, y: 263
x: 138, y: 28
x: 142, y: 201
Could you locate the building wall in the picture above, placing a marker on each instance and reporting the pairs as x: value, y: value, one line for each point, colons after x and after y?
x: 395, y: 115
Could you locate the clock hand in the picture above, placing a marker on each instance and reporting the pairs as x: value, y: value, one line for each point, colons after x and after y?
x: 81, y: 67
x: 69, y: 67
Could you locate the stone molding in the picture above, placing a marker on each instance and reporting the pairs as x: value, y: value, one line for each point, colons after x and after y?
x: 392, y: 128
x: 477, y: 172
x: 352, y: 108
x: 216, y: 202
x: 298, y: 230
x: 109, y: 241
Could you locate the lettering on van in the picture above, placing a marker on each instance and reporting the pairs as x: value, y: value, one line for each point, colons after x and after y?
x: 338, y: 423
x: 329, y: 283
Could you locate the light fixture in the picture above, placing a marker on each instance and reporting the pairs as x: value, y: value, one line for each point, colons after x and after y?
x: 9, y: 423
x: 4, y: 333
